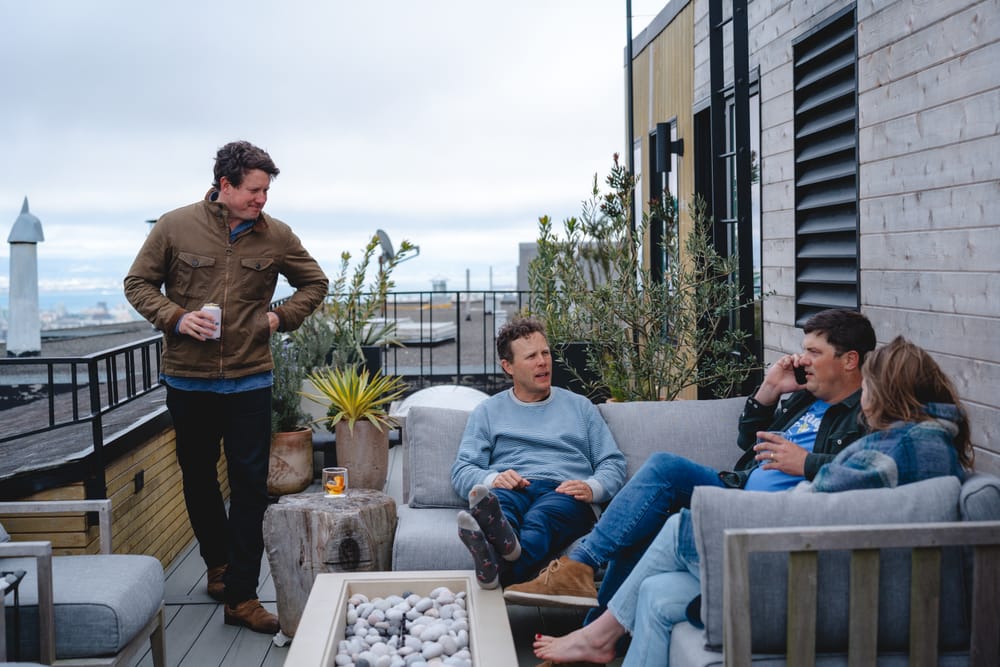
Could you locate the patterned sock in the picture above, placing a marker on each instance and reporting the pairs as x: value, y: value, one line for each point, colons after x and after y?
x: 485, y: 559
x: 485, y: 509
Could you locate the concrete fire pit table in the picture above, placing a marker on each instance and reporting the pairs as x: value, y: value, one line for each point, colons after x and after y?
x: 321, y: 627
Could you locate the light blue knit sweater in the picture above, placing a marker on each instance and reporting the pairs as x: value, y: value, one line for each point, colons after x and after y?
x: 563, y: 437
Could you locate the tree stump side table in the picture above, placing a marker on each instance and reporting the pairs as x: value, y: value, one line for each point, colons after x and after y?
x: 306, y: 534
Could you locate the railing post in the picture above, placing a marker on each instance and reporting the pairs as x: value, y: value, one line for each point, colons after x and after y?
x: 97, y: 484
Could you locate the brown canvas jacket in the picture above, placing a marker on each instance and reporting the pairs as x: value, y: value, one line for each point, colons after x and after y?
x: 189, y: 256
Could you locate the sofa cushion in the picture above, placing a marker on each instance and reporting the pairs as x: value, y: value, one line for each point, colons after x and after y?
x: 703, y: 431
x: 427, y: 539
x: 715, y: 510
x: 432, y: 439
x: 101, y: 602
x: 980, y: 498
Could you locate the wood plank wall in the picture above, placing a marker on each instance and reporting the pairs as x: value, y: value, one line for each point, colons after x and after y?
x: 152, y: 520
x: 929, y: 158
x: 662, y: 86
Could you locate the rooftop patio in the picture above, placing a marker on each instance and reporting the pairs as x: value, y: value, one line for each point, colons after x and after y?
x: 197, y: 637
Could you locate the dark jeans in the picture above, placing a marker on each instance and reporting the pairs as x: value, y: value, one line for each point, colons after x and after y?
x: 243, y: 422
x: 661, y: 487
x: 546, y: 522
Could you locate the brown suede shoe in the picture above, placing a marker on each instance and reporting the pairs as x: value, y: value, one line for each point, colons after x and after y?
x: 250, y: 614
x: 563, y: 583
x: 216, y: 585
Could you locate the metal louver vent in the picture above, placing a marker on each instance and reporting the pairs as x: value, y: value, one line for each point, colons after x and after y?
x: 826, y: 168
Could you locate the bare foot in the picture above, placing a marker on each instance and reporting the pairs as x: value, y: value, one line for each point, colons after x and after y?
x: 579, y: 645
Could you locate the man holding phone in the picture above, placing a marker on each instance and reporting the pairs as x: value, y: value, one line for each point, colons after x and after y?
x: 784, y: 442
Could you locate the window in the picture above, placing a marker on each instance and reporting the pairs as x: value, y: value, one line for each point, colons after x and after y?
x: 826, y: 168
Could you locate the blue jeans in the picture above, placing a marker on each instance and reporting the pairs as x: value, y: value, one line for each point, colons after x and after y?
x: 243, y: 422
x: 546, y: 522
x: 661, y: 487
x: 655, y: 596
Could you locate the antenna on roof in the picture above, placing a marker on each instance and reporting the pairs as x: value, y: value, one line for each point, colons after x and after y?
x: 388, y: 254
x: 387, y: 251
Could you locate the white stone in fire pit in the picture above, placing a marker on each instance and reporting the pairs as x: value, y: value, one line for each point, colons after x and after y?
x: 322, y: 625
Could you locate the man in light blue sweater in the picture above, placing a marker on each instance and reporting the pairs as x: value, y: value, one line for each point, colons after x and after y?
x: 532, y: 462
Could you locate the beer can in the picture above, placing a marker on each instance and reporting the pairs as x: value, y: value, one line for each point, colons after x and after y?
x: 215, y: 311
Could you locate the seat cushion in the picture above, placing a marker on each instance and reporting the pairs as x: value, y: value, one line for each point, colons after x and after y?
x: 715, y: 510
x: 427, y: 539
x: 432, y: 439
x: 980, y: 498
x: 101, y: 603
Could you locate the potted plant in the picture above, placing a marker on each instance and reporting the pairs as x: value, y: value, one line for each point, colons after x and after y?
x: 644, y: 338
x: 290, y: 469
x: 356, y: 403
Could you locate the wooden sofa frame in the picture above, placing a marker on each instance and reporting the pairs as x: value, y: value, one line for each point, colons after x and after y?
x: 864, y: 543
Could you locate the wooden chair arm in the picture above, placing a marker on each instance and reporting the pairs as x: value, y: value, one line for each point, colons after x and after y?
x: 102, y: 507
x: 42, y: 553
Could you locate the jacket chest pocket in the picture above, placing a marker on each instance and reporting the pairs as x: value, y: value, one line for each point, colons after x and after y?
x: 195, y: 275
x: 258, y: 276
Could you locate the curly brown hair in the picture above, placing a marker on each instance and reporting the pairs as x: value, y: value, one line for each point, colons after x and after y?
x: 900, y: 379
x: 236, y: 158
x: 519, y: 327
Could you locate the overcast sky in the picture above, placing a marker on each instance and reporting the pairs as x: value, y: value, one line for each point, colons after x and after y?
x: 454, y: 124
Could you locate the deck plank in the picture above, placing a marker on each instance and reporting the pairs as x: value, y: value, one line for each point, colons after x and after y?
x: 212, y: 643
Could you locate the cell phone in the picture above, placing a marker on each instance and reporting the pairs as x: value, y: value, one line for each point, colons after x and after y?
x: 800, y: 374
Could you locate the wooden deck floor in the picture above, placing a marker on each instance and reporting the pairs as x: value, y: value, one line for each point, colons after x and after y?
x: 197, y: 637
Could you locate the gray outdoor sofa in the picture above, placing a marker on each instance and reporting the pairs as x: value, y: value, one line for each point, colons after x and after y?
x: 704, y: 431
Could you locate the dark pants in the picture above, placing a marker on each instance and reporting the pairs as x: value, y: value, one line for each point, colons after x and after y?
x: 243, y: 422
x: 546, y: 522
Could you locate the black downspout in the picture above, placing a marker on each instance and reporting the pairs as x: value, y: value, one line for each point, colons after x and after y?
x: 629, y: 122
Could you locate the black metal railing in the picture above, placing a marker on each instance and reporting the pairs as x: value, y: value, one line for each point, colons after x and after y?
x: 445, y: 338
x: 75, y: 390
x: 449, y: 337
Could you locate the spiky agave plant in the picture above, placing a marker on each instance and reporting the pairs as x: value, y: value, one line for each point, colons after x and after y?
x: 351, y: 395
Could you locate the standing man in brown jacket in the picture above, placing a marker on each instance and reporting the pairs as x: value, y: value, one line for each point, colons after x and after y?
x: 225, y: 251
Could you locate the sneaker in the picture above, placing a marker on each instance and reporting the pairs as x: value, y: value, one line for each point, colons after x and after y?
x: 216, y: 585
x: 250, y: 614
x: 563, y: 583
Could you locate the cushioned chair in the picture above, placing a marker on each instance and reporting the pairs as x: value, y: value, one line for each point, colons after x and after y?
x: 82, y: 610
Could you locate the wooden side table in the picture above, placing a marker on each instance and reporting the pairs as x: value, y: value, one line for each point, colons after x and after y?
x: 306, y: 534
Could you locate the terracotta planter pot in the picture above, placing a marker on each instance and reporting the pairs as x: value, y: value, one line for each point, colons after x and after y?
x: 365, y: 454
x: 291, y: 466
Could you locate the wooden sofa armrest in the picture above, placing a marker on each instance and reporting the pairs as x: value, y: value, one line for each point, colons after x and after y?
x: 102, y: 507
x: 42, y: 553
x: 864, y: 543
